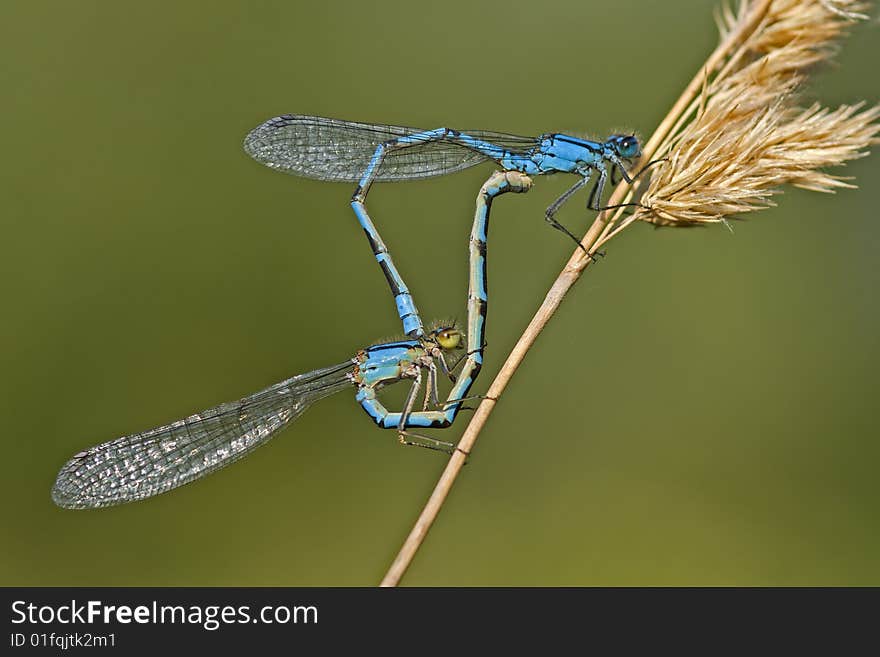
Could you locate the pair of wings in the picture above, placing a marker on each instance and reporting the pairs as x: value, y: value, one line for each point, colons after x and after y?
x: 336, y: 150
x: 151, y: 462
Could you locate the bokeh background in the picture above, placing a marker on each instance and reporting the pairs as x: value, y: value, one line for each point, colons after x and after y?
x: 701, y: 411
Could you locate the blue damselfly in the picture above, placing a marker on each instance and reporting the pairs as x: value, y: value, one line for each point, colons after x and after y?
x: 144, y: 464
x: 346, y: 151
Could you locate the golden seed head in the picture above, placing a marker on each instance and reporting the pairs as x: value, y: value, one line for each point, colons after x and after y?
x: 746, y: 136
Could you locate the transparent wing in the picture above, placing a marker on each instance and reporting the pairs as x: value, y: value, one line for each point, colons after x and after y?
x: 155, y: 461
x: 331, y: 149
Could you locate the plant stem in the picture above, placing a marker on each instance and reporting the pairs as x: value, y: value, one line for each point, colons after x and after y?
x: 599, y: 233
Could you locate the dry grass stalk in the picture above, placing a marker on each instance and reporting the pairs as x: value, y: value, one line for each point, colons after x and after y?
x: 733, y: 137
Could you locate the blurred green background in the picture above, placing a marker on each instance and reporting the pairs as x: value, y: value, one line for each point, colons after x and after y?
x: 700, y: 411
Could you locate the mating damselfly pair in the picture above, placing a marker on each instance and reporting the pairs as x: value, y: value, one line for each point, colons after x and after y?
x: 144, y: 464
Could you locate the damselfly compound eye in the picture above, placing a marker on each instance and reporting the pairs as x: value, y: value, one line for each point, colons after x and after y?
x: 629, y: 147
x: 449, y: 338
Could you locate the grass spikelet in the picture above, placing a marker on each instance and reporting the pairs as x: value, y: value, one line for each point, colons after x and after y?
x: 747, y: 136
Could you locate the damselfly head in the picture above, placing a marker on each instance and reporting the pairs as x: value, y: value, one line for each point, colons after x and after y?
x: 626, y: 146
x: 447, y: 337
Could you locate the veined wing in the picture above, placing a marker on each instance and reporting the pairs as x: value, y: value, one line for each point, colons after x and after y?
x: 336, y: 150
x: 145, y: 464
